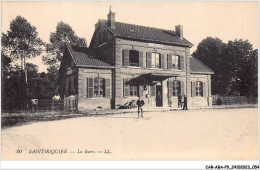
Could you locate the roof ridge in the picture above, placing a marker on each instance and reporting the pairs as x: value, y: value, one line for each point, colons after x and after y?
x: 141, y: 26
x: 202, y: 63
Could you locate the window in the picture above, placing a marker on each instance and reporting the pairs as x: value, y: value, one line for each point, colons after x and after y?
x: 133, y: 90
x: 133, y: 58
x: 199, y: 88
x: 98, y: 87
x: 175, y: 61
x: 156, y: 60
x: 176, y: 88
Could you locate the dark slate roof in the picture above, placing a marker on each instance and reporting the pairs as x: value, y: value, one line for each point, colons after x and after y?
x: 82, y: 58
x: 144, y: 33
x: 198, y: 67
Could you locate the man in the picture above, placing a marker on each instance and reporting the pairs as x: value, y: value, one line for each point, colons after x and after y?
x: 185, y: 103
x: 140, y: 103
x: 179, y: 100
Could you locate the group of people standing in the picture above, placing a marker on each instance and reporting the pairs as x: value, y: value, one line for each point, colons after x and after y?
x: 184, y: 107
x: 181, y: 103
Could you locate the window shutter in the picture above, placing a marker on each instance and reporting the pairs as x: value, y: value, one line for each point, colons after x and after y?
x: 126, y: 57
x: 126, y: 89
x: 204, y: 90
x: 181, y: 62
x: 169, y: 61
x: 162, y: 61
x: 170, y: 84
x: 141, y: 90
x: 149, y: 60
x: 182, y: 88
x: 107, y: 88
x: 141, y: 62
x: 193, y: 87
x: 153, y: 89
x: 90, y: 88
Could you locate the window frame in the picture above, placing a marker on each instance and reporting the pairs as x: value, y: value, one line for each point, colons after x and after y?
x: 174, y: 58
x: 133, y: 90
x: 199, y: 89
x: 176, y: 88
x: 154, y: 59
x: 131, y: 56
x: 99, y: 87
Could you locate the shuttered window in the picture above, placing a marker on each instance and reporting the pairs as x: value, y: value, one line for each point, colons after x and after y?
x: 181, y: 62
x: 141, y: 62
x: 170, y: 91
x: 125, y: 58
x: 98, y: 87
x: 175, y: 61
x: 176, y: 88
x: 169, y: 61
x: 198, y: 88
x: 148, y: 60
x: 162, y: 61
x: 107, y: 87
x: 126, y: 88
x: 90, y: 87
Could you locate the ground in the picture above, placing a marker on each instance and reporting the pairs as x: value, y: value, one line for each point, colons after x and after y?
x: 210, y: 134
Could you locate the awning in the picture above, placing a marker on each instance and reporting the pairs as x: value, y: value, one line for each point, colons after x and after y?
x: 150, y: 78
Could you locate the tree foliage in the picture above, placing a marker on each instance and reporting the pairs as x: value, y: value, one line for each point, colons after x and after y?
x: 22, y: 39
x: 64, y: 33
x: 234, y: 65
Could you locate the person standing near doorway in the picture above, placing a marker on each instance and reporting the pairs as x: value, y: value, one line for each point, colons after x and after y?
x: 179, y: 100
x: 140, y: 103
x: 185, y: 103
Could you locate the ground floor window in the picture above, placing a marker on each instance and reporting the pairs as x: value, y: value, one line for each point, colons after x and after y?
x: 98, y: 87
x: 176, y: 88
x: 133, y: 90
x: 199, y: 88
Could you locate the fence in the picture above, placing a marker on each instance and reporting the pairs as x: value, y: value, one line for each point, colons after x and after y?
x: 16, y: 105
x: 228, y: 100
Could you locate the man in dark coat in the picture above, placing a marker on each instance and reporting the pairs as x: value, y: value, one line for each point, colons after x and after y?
x: 140, y: 103
x: 185, y: 103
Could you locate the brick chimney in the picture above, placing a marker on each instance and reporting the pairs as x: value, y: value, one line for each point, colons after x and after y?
x: 179, y: 31
x: 111, y: 19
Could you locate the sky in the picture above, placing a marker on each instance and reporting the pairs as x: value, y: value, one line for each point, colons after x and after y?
x: 225, y: 20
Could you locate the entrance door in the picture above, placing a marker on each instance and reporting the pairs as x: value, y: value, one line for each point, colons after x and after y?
x: 158, y: 95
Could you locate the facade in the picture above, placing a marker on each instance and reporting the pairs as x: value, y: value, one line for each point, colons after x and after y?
x: 125, y: 61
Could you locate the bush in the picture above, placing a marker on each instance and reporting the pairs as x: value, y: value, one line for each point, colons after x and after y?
x: 219, y: 101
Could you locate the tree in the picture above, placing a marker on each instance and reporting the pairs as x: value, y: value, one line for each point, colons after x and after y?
x: 64, y: 33
x: 21, y: 42
x: 234, y: 65
x: 244, y: 67
x: 55, y: 49
x: 211, y: 52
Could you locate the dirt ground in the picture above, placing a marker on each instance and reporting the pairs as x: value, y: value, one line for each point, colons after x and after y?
x: 226, y: 134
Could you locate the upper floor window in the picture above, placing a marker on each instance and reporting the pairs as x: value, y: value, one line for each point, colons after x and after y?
x: 156, y: 60
x: 133, y: 58
x: 199, y: 88
x: 173, y: 61
x: 176, y: 61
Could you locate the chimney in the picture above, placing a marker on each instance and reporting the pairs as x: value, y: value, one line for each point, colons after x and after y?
x: 179, y: 31
x: 111, y: 19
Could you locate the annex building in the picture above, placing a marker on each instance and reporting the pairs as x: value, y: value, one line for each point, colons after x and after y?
x: 124, y: 61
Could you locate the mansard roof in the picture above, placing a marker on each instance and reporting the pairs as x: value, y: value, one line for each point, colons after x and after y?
x: 150, y: 34
x: 198, y: 67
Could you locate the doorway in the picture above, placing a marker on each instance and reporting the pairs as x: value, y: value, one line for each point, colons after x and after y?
x: 158, y: 95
